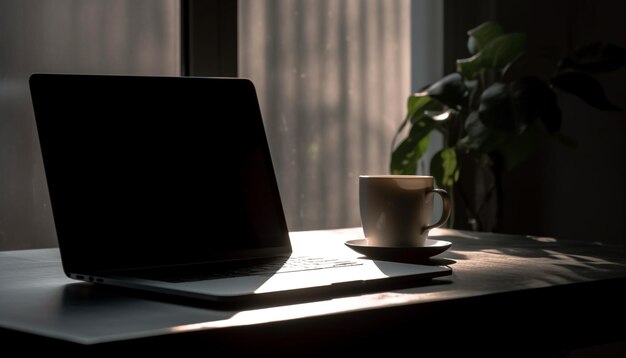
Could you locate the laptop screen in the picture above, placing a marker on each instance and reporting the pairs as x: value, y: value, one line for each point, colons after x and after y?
x: 146, y: 171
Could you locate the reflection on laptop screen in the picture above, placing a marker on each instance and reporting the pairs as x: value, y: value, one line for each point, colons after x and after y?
x: 154, y: 170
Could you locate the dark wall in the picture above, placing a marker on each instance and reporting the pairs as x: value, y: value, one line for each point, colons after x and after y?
x: 566, y: 193
x: 580, y: 191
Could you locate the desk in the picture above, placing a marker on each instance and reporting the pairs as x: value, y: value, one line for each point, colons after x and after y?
x: 531, y: 292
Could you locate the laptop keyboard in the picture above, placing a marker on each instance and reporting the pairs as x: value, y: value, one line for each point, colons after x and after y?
x: 244, y: 268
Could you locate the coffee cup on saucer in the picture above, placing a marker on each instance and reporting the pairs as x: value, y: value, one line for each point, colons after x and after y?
x: 397, y: 210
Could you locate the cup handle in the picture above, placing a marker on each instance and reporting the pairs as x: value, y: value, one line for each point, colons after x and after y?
x: 445, y: 213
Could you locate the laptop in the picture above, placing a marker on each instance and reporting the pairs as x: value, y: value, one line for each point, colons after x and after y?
x: 166, y: 184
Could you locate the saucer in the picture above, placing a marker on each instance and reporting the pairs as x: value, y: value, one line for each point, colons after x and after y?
x: 389, y: 253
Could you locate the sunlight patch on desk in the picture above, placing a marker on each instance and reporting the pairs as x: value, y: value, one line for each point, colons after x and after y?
x: 302, y: 280
x: 443, y: 232
x: 541, y: 238
x: 312, y: 309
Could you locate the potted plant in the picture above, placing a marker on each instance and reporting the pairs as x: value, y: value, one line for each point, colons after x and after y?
x: 493, y: 113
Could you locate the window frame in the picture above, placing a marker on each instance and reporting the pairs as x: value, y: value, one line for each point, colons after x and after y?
x: 209, y: 38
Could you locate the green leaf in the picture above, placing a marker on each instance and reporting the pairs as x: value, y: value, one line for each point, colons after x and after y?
x: 422, y: 147
x: 586, y: 88
x: 416, y: 105
x: 444, y: 167
x: 422, y: 128
x: 534, y: 99
x: 596, y: 57
x: 514, y: 148
x: 479, y: 138
x: 475, y: 131
x: 450, y: 90
x: 405, y: 156
x: 481, y: 35
x: 496, y: 107
x: 403, y: 159
x: 496, y: 54
x: 519, y: 148
x: 513, y: 107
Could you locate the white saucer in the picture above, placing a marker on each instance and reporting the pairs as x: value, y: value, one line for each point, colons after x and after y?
x: 411, y: 253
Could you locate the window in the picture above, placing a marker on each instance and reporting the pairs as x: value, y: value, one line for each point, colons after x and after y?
x: 333, y: 78
x: 332, y: 75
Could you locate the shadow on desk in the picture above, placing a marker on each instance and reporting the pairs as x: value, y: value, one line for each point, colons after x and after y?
x: 563, y: 261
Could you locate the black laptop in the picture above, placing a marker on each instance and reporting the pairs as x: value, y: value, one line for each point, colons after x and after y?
x: 166, y: 184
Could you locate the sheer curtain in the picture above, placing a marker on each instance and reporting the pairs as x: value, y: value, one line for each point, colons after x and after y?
x: 86, y: 36
x: 333, y: 78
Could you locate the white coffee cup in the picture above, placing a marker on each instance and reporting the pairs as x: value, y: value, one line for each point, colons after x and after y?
x: 396, y: 210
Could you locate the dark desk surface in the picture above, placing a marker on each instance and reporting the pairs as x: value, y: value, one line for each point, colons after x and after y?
x: 566, y: 292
